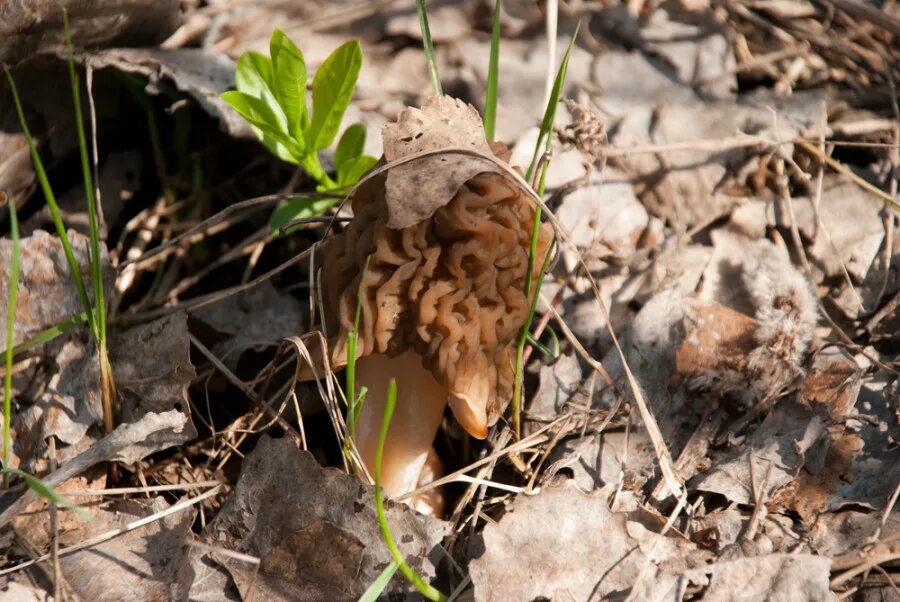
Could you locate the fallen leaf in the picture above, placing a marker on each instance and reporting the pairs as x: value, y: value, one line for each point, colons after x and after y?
x: 152, y: 367
x: 431, y: 181
x: 270, y: 514
x: 202, y: 74
x: 47, y: 295
x: 595, y: 552
x: 775, y: 450
x: 255, y: 319
x: 605, y: 459
x: 771, y: 578
x: 128, y: 443
x: 310, y: 564
x: 147, y: 563
x: 559, y: 381
x: 26, y: 30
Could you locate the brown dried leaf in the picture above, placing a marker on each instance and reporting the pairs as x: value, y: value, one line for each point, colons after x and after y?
x: 772, y: 578
x: 152, y: 368
x: 415, y: 190
x: 256, y: 318
x: 595, y: 552
x: 47, y: 294
x: 282, y: 503
x: 33, y: 27
x: 144, y: 564
x: 776, y: 449
x: 310, y: 564
x: 202, y: 74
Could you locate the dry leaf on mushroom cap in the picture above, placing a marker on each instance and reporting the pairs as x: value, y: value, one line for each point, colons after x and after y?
x: 446, y: 237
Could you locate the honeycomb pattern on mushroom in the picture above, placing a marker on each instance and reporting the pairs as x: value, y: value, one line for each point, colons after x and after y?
x: 451, y: 286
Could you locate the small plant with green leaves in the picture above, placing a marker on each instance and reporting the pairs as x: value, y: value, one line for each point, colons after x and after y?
x: 271, y: 96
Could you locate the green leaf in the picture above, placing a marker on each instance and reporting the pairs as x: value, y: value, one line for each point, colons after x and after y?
x: 300, y: 209
x: 349, y: 172
x: 267, y: 124
x: 490, y: 97
x: 254, y: 73
x: 47, y: 492
x: 332, y: 88
x: 290, y: 82
x: 374, y: 591
x: 350, y: 145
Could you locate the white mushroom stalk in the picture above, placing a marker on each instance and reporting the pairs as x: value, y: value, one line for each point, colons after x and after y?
x: 420, y: 408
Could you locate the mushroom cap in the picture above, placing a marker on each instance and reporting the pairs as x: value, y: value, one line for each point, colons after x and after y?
x: 451, y: 287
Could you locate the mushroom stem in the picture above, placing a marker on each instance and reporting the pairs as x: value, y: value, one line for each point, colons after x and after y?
x: 417, y: 416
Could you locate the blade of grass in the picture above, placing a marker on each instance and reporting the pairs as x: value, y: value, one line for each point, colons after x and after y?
x: 10, y: 328
x: 354, y: 401
x: 96, y: 274
x: 493, y: 74
x: 50, y: 334
x: 550, y: 110
x: 428, y: 47
x: 47, y: 492
x: 374, y: 591
x: 107, y: 388
x: 424, y: 588
x: 51, y: 202
x: 544, y: 139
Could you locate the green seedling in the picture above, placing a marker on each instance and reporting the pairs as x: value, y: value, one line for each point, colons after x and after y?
x: 271, y: 97
x: 355, y: 401
x: 424, y: 588
x: 46, y: 492
x: 428, y: 48
x: 493, y: 75
x: 10, y: 328
x: 542, y: 146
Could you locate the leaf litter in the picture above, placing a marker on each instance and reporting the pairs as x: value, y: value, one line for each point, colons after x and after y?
x: 752, y: 284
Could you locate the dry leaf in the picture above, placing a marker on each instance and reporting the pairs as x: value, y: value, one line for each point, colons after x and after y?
x: 202, y: 74
x: 254, y: 319
x: 776, y: 449
x: 29, y: 28
x: 152, y: 368
x: 415, y: 190
x: 311, y: 564
x: 565, y: 545
x: 47, y: 294
x: 147, y: 563
x: 772, y: 578
x: 284, y: 497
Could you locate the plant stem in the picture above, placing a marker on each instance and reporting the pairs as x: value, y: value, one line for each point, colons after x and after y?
x: 424, y: 588
x: 428, y: 47
x: 10, y: 333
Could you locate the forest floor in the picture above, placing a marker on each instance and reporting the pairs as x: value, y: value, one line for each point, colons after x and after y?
x: 713, y: 406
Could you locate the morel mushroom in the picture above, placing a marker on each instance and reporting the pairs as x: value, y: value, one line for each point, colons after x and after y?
x: 442, y: 301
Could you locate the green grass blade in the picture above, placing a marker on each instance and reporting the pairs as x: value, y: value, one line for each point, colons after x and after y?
x: 51, y: 202
x: 544, y: 140
x: 51, y: 333
x: 47, y: 492
x: 10, y: 328
x: 424, y: 588
x: 375, y: 590
x: 428, y: 46
x: 544, y: 137
x: 92, y: 206
x: 493, y: 74
x: 354, y: 401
